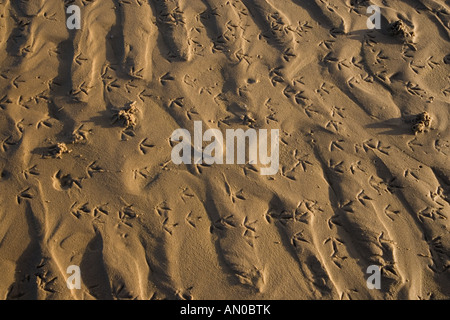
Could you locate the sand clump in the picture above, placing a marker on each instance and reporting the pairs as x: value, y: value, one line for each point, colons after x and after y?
x: 126, y: 117
x: 57, y: 151
x: 400, y: 29
x: 421, y: 123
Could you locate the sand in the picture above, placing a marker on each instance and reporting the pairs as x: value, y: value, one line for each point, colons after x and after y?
x: 87, y: 179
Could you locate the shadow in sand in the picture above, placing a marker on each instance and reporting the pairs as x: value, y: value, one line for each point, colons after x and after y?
x: 104, y: 119
x: 42, y: 151
x: 379, y: 36
x: 27, y: 270
x: 395, y: 126
x: 94, y: 274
